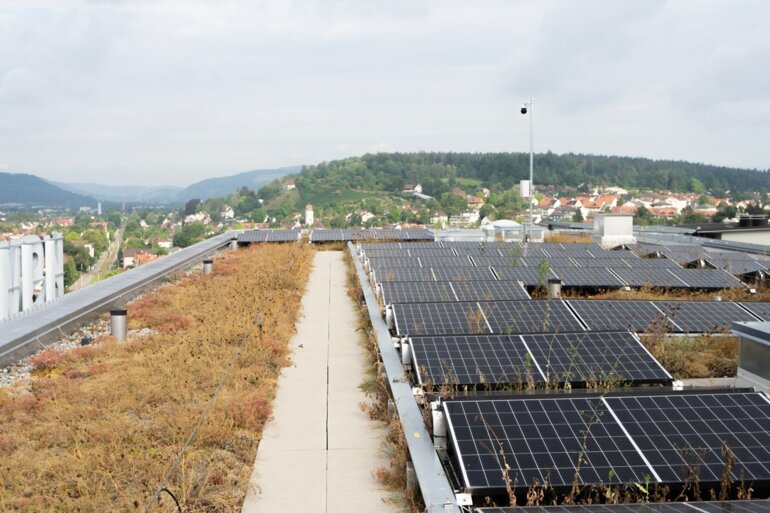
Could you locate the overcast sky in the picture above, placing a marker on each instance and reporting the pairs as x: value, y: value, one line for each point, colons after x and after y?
x: 173, y: 91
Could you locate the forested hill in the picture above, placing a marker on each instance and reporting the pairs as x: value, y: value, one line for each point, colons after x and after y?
x: 29, y: 190
x: 390, y: 171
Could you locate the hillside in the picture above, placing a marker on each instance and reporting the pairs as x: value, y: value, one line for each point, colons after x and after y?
x: 224, y: 185
x: 390, y: 171
x: 29, y: 190
x: 373, y: 183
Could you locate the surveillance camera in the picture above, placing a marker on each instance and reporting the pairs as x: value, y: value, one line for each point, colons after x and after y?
x: 523, y: 108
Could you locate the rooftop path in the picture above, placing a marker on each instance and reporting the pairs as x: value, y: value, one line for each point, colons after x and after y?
x: 318, y: 451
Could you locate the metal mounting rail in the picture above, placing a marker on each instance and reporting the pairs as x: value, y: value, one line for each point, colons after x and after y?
x: 434, y: 485
x: 26, y: 333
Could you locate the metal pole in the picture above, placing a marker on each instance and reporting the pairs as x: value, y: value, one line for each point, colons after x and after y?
x: 531, y: 166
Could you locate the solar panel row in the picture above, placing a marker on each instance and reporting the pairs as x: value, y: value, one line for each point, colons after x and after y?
x: 739, y: 506
x: 324, y: 235
x: 505, y: 317
x: 430, y: 292
x: 613, y: 439
x: 445, y: 317
x: 504, y: 360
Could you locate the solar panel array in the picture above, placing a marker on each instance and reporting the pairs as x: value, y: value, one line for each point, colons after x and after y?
x: 654, y: 316
x: 468, y: 322
x: 251, y: 236
x: 499, y: 360
x: 703, y: 316
x: 325, y: 235
x: 441, y: 291
x: 608, y: 315
x: 506, y: 317
x: 739, y: 506
x: 588, y: 278
x: 760, y: 309
x: 625, y: 438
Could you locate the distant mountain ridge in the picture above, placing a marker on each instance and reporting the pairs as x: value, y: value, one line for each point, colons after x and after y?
x: 123, y: 193
x: 224, y: 185
x: 31, y: 191
x: 169, y: 194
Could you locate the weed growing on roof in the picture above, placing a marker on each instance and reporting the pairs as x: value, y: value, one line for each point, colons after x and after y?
x: 97, y: 428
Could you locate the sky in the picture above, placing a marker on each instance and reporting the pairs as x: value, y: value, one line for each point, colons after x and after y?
x: 150, y: 92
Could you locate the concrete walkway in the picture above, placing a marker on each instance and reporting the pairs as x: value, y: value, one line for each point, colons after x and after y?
x: 318, y: 452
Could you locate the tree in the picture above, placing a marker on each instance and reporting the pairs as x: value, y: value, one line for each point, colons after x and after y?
x: 578, y: 217
x: 642, y: 217
x: 689, y: 216
x: 724, y: 211
x: 189, y: 234
x: 70, y: 272
x: 191, y: 206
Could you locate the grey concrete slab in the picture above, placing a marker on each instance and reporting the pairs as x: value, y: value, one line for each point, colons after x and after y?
x: 319, y: 451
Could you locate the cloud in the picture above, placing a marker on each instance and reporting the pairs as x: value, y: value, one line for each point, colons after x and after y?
x: 178, y: 90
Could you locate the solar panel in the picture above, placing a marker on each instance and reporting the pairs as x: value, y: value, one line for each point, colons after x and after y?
x: 651, y: 263
x: 644, y: 250
x: 648, y: 278
x: 739, y: 506
x: 676, y: 432
x: 537, y: 262
x: 283, y: 235
x: 599, y: 358
x: 589, y: 277
x: 544, y: 316
x: 417, y: 292
x: 736, y: 266
x: 617, y: 438
x: 250, y: 236
x: 415, y: 274
x: 449, y: 261
x: 416, y: 234
x: 758, y: 308
x: 490, y: 249
x: 471, y: 360
x: 602, y: 262
x: 684, y: 255
x: 385, y: 253
x: 489, y: 290
x: 393, y: 262
x: 439, y: 318
x: 707, y: 278
x: 463, y: 274
x: 540, y: 440
x: 498, y: 261
x: 610, y: 315
x: 495, y: 360
x: 529, y: 276
x: 431, y: 252
x: 703, y: 316
x: 529, y: 250
x: 322, y: 235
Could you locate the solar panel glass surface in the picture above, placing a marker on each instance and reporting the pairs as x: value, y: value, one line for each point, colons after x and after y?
x: 589, y: 277
x: 489, y: 290
x: 704, y: 316
x: 611, y: 315
x: 439, y: 319
x: 543, y: 316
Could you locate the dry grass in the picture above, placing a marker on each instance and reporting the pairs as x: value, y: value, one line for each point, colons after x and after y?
x: 568, y: 238
x: 695, y: 357
x: 97, y: 428
x: 659, y: 294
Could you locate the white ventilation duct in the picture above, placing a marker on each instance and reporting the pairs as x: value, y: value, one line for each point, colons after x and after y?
x: 389, y: 319
x: 439, y: 426
x: 406, y: 353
